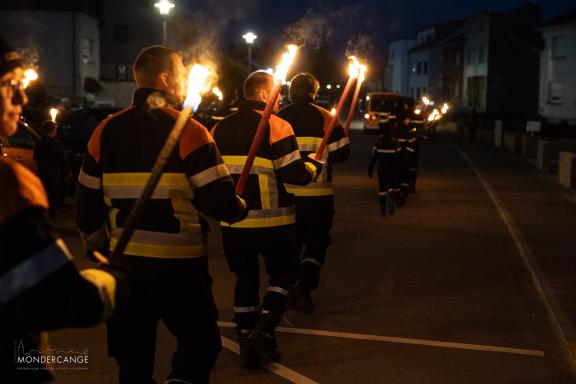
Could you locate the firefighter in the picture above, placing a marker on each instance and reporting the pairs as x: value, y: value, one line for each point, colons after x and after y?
x: 53, y: 166
x: 40, y: 289
x: 386, y: 155
x: 416, y: 124
x: 405, y: 150
x: 166, y: 257
x: 315, y: 201
x: 269, y: 228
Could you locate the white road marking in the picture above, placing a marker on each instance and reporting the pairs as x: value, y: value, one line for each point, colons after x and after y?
x: 403, y: 340
x: 278, y: 369
x: 553, y: 310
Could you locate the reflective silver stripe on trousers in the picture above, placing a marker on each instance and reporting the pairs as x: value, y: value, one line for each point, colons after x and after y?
x: 33, y: 270
x: 381, y: 193
x: 279, y: 290
x: 338, y: 144
x: 209, y: 175
x: 386, y: 150
x: 246, y: 309
x: 312, y: 261
x: 88, y: 181
x: 287, y: 159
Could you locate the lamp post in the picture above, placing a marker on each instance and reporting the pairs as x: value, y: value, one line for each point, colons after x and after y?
x: 249, y: 37
x: 164, y: 6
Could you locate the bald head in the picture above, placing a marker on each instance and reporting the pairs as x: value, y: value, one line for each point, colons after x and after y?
x: 257, y: 84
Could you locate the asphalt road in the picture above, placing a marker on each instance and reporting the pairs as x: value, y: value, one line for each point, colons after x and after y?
x: 442, y: 292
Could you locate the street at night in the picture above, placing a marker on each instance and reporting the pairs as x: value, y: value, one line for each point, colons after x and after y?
x: 246, y: 191
x: 436, y: 293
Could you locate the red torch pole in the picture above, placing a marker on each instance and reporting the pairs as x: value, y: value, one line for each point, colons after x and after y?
x: 258, y: 138
x: 332, y: 123
x: 353, y: 106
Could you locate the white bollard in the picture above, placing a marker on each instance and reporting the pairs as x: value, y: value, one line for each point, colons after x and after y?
x: 567, y: 169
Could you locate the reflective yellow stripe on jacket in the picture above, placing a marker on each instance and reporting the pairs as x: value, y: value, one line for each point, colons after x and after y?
x: 321, y: 187
x: 175, y: 187
x: 271, y: 215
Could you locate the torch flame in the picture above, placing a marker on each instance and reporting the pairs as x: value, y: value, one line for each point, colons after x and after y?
x: 333, y: 112
x: 362, y: 72
x: 53, y: 114
x: 196, y: 84
x: 218, y: 93
x: 29, y: 76
x: 445, y: 108
x: 285, y: 63
x: 353, y: 67
x: 425, y: 100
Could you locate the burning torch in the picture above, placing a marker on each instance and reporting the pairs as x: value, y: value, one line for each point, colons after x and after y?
x: 197, y: 78
x: 30, y: 75
x: 353, y: 71
x: 361, y: 75
x: 279, y: 78
x: 53, y: 114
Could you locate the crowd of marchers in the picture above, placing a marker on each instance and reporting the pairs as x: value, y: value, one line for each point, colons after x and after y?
x: 284, y: 214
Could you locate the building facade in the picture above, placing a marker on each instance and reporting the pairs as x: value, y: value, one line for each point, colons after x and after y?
x: 557, y: 91
x: 397, y: 74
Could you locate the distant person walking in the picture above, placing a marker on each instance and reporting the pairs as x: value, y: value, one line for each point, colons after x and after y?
x: 53, y: 166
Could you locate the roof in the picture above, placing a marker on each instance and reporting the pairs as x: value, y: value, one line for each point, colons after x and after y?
x: 562, y: 19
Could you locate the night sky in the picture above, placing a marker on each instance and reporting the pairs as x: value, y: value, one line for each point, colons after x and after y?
x: 382, y: 21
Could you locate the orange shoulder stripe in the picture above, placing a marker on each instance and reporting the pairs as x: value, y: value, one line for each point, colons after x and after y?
x: 279, y: 129
x: 94, y: 142
x: 194, y: 135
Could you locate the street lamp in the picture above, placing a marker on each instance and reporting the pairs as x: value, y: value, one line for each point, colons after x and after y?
x: 249, y: 37
x: 164, y: 6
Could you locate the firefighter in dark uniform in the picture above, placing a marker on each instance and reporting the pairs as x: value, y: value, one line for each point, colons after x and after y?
x: 166, y: 257
x: 406, y: 152
x: 386, y: 154
x: 315, y: 201
x: 40, y: 289
x: 416, y: 125
x: 269, y: 228
x: 53, y: 165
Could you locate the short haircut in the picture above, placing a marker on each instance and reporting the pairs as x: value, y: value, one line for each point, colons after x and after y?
x: 255, y: 82
x: 303, y: 87
x: 151, y: 62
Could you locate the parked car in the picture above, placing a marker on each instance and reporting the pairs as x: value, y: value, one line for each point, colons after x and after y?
x: 20, y: 146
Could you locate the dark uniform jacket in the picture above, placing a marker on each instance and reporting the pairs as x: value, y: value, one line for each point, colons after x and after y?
x: 40, y: 289
x: 309, y: 122
x: 120, y: 155
x: 278, y: 161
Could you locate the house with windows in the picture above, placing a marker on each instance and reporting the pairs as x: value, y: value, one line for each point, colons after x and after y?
x: 424, y: 60
x: 397, y: 74
x: 500, y: 52
x: 60, y: 38
x: 557, y: 93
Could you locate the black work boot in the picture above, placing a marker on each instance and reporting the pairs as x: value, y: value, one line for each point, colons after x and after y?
x: 248, y: 355
x: 262, y: 339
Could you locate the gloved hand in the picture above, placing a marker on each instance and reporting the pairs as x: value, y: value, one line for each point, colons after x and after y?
x: 245, y: 208
x: 98, y: 256
x: 314, y: 166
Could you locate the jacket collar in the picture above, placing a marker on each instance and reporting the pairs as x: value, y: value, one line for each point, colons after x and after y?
x: 252, y: 104
x: 141, y: 95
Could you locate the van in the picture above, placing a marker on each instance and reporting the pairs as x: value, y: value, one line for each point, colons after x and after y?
x: 379, y: 109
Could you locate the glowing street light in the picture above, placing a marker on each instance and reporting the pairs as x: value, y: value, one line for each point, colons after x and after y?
x: 164, y: 6
x: 249, y: 37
